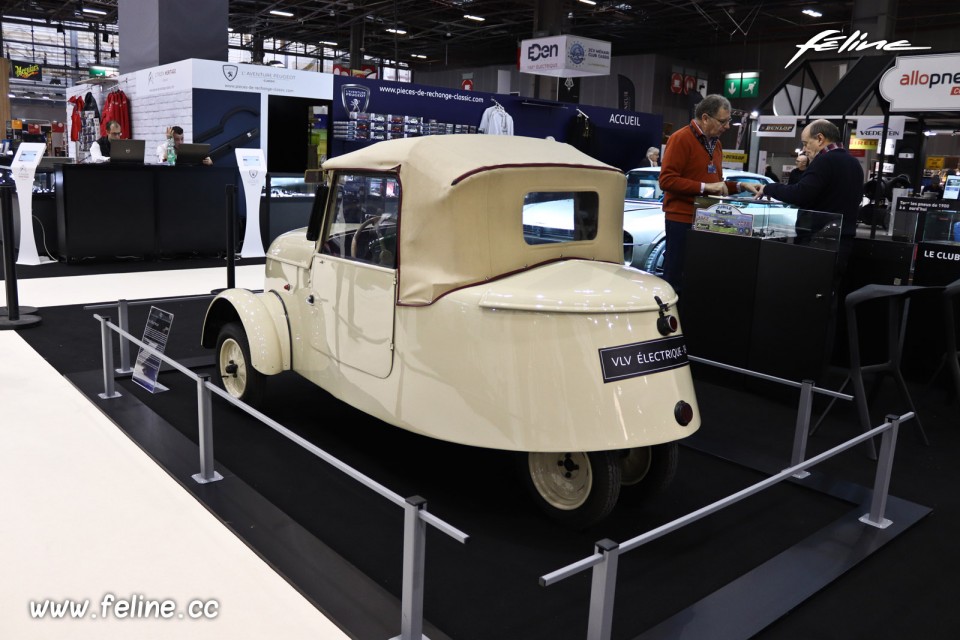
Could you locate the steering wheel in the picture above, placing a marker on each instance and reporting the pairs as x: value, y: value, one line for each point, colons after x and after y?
x: 354, y: 244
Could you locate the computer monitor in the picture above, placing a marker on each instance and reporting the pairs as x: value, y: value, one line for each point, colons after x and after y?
x: 192, y: 153
x: 127, y: 151
x: 951, y: 188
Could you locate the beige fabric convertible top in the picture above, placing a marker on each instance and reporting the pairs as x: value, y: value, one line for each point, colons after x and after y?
x: 462, y: 201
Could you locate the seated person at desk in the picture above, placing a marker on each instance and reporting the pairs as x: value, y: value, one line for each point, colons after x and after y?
x: 176, y: 134
x: 100, y: 149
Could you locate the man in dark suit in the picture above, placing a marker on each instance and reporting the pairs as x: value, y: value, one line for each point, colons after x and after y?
x: 833, y: 182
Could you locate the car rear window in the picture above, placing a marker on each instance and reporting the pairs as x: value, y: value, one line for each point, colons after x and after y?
x: 560, y: 216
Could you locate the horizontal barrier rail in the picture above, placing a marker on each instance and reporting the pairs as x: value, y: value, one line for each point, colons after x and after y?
x: 605, y: 559
x: 416, y: 516
x: 769, y: 378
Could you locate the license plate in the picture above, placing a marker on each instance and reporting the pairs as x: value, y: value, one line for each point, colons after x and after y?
x: 641, y: 358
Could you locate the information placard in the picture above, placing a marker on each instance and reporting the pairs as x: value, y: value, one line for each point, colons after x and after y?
x: 253, y: 176
x: 24, y: 168
x: 155, y: 333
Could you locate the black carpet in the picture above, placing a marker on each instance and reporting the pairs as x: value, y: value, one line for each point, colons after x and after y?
x: 489, y: 587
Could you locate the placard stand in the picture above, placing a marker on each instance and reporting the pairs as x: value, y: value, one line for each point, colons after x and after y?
x: 253, y: 175
x: 24, y: 168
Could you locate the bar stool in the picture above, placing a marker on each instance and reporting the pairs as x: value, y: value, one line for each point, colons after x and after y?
x: 951, y: 356
x: 898, y: 299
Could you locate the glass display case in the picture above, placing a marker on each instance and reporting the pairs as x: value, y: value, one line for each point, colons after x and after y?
x: 941, y: 227
x: 768, y: 220
x: 286, y: 202
x: 288, y: 185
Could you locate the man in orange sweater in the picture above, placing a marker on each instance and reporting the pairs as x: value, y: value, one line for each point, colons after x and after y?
x: 692, y: 166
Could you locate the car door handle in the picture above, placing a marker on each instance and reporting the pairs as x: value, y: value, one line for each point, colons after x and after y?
x: 310, y: 299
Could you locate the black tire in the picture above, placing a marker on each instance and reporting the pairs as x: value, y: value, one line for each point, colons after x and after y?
x: 577, y: 489
x: 646, y: 471
x: 654, y: 262
x: 234, y: 369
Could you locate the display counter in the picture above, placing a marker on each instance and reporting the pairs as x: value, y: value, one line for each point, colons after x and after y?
x: 758, y: 284
x: 112, y: 210
x: 938, y: 252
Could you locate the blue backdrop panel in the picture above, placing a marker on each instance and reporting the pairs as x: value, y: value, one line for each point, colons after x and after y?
x: 383, y: 109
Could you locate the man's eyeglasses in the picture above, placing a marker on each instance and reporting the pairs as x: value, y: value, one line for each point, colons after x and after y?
x: 722, y: 123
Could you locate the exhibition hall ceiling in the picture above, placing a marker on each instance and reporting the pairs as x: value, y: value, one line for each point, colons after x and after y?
x: 438, y: 32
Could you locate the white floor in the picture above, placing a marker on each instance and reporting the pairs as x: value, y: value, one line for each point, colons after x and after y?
x: 88, y: 517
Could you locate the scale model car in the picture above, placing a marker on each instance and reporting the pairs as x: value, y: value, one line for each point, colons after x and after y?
x: 425, y: 292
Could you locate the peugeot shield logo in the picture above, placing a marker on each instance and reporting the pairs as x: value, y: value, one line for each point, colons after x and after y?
x: 253, y: 173
x: 230, y: 71
x: 355, y: 98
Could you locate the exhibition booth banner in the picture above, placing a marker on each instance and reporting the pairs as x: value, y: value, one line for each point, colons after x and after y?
x: 871, y: 127
x: 923, y: 83
x: 366, y: 111
x: 777, y: 127
x: 565, y: 57
x: 210, y: 74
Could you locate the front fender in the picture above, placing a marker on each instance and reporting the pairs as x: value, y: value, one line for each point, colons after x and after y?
x: 264, y: 319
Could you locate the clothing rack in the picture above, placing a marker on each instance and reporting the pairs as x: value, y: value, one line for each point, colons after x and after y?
x: 499, y: 106
x: 582, y: 113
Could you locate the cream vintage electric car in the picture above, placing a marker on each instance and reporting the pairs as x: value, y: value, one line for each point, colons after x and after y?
x: 427, y: 293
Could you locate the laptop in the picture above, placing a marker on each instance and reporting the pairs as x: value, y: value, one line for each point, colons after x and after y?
x: 192, y: 153
x: 127, y: 151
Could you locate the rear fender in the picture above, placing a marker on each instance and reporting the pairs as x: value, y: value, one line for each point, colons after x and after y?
x: 264, y: 319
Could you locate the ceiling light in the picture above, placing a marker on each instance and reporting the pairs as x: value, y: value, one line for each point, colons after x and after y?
x: 812, y: 13
x: 590, y: 2
x: 417, y: 55
x: 475, y: 18
x: 329, y: 44
x: 282, y: 14
x: 229, y: 29
x: 96, y: 11
x: 399, y: 32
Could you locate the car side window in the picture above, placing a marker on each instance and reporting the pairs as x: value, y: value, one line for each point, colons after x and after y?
x: 364, y: 223
x: 560, y: 216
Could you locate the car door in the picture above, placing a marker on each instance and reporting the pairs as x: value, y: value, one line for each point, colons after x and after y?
x: 353, y: 275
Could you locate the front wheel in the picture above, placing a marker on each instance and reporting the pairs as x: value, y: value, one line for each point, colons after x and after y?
x: 237, y: 375
x: 576, y: 488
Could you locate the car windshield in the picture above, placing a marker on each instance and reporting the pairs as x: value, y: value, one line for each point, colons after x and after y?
x: 643, y: 185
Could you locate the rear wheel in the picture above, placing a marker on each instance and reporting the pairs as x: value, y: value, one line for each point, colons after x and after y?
x: 237, y: 375
x: 646, y: 471
x: 575, y: 488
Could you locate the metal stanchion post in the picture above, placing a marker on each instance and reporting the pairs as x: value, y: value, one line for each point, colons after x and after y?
x: 603, y: 587
x: 804, y: 412
x: 205, y: 418
x: 124, y: 324
x: 11, y: 319
x: 414, y: 555
x: 231, y: 235
x: 881, y: 485
x: 106, y: 340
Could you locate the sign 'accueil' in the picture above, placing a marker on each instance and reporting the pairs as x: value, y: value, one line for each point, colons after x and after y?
x: 565, y: 57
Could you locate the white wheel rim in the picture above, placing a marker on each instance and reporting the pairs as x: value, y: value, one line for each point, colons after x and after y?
x: 231, y: 353
x: 635, y: 466
x: 564, y: 480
